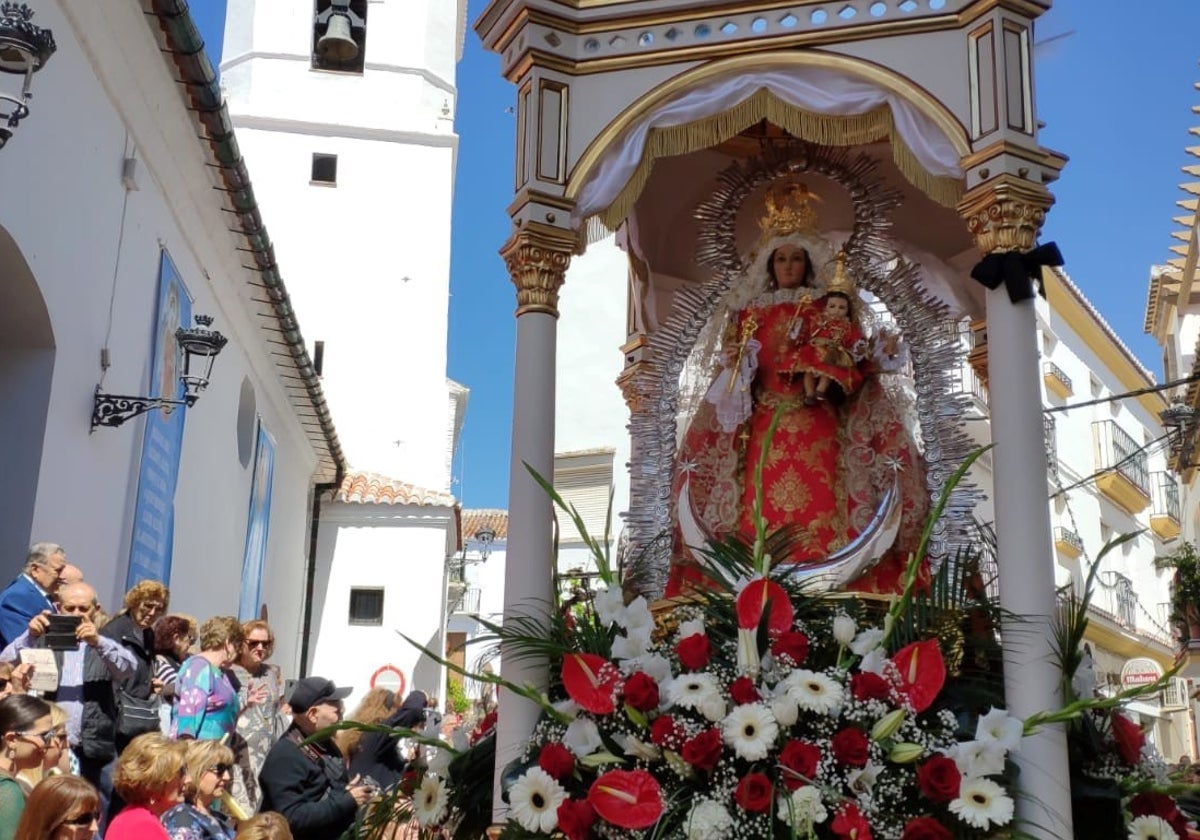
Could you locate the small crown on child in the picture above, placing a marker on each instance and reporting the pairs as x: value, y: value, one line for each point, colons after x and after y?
x: 841, y: 281
x: 790, y: 209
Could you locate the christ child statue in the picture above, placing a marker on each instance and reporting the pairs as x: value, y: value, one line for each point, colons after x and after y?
x: 835, y: 345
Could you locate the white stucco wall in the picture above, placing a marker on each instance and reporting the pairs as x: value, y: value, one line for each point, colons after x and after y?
x: 94, y: 107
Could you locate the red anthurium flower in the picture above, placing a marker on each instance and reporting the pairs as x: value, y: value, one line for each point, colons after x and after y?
x: 753, y: 601
x: 922, y: 672
x: 1129, y: 737
x: 627, y: 798
x: 575, y: 818
x: 591, y: 681
x: 851, y: 824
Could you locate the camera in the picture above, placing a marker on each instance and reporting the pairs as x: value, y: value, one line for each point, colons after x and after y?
x: 60, y: 634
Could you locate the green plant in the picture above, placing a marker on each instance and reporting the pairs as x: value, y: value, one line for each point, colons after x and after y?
x: 457, y: 697
x: 1185, y: 592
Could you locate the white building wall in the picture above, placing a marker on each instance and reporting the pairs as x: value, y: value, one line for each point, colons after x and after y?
x: 92, y: 109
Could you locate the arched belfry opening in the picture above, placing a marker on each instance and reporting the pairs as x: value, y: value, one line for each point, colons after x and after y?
x: 27, y: 350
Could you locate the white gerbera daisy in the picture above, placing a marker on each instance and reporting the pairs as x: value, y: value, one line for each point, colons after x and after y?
x: 802, y: 809
x: 429, y: 801
x: 978, y: 758
x: 1151, y: 828
x: 814, y: 691
x: 981, y: 803
x: 751, y: 730
x: 1000, y: 728
x: 697, y: 691
x: 708, y: 820
x: 535, y: 798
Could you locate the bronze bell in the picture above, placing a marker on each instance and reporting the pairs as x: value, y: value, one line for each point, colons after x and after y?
x: 336, y: 45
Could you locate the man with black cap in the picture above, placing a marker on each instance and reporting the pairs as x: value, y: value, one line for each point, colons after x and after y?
x: 308, y: 783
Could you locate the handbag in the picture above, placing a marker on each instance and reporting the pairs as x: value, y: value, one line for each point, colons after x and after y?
x: 136, y: 715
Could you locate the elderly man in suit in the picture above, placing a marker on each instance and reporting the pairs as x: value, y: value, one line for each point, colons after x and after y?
x: 33, y: 590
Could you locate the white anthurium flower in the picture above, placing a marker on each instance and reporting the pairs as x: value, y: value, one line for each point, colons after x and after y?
x: 429, y: 801
x: 638, y: 620
x: 844, y: 629
x: 802, y: 809
x: 708, y: 820
x: 627, y: 648
x: 534, y: 799
x: 875, y: 662
x: 982, y: 803
x: 978, y: 758
x: 582, y: 737
x: 1151, y: 828
x: 632, y: 745
x: 1000, y: 728
x: 814, y: 691
x: 866, y: 641
x: 751, y: 730
x: 609, y: 605
x: 691, y: 627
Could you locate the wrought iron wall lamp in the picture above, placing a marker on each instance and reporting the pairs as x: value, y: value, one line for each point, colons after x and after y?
x: 24, y: 50
x: 200, y: 347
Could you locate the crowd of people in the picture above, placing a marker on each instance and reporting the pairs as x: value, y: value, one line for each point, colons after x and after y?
x: 148, y: 725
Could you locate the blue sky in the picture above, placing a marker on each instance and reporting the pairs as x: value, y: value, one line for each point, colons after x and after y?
x: 1115, y: 95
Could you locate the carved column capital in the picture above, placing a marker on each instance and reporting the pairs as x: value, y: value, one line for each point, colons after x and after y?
x: 537, y: 257
x: 1005, y: 214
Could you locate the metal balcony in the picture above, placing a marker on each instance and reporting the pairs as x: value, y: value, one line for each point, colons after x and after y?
x: 1165, y: 512
x: 1126, y: 479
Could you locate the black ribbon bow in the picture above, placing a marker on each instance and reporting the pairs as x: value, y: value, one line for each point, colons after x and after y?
x: 1017, y: 271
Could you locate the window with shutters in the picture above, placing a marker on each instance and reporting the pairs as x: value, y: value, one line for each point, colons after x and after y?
x: 584, y: 479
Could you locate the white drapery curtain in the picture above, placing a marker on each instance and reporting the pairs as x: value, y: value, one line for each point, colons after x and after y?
x: 813, y: 89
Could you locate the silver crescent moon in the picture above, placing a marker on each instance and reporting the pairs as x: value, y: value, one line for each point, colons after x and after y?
x: 839, y: 569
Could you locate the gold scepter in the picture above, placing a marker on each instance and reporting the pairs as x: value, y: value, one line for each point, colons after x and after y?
x: 748, y: 328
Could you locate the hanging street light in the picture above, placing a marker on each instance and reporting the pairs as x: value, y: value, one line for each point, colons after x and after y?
x: 24, y: 50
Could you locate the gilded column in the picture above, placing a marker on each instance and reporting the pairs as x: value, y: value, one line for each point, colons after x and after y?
x: 537, y: 257
x: 1005, y: 215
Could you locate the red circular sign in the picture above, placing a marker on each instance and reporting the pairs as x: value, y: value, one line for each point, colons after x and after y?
x: 389, y: 677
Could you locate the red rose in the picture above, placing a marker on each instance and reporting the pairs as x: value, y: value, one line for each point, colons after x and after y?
x: 925, y: 828
x: 575, y: 818
x: 850, y: 823
x: 867, y: 686
x: 1160, y: 805
x: 556, y: 760
x: 641, y: 692
x: 694, y: 651
x: 799, y: 761
x: 753, y: 792
x: 665, y: 732
x: 850, y: 747
x: 791, y: 644
x: 704, y: 750
x: 1129, y: 738
x: 939, y: 779
x: 742, y: 691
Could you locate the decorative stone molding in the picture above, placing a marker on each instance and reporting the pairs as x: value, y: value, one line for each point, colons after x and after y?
x: 1005, y: 214
x: 537, y: 257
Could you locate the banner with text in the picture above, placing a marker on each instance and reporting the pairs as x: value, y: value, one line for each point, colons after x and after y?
x: 258, y: 526
x: 154, y: 513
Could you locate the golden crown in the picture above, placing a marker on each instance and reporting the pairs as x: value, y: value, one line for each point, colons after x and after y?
x: 790, y: 209
x: 841, y: 281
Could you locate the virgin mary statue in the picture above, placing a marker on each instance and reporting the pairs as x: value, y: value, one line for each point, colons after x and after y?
x: 830, y: 461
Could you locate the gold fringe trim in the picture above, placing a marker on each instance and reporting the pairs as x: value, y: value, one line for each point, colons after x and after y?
x: 825, y: 130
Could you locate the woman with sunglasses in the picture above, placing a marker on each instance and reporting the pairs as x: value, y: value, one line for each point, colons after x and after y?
x: 25, y: 732
x: 56, y: 760
x: 150, y: 777
x: 262, y: 723
x: 61, y: 808
x: 210, y: 765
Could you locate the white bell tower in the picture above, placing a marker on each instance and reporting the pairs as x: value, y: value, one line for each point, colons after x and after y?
x: 344, y: 110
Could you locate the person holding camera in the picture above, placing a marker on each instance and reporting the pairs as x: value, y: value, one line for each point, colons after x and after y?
x: 76, y: 643
x: 307, y: 782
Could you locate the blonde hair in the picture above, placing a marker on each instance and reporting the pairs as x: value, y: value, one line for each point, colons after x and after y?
x: 377, y: 705
x: 148, y: 766
x: 146, y: 590
x: 265, y: 826
x: 199, y: 757
x: 219, y: 631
